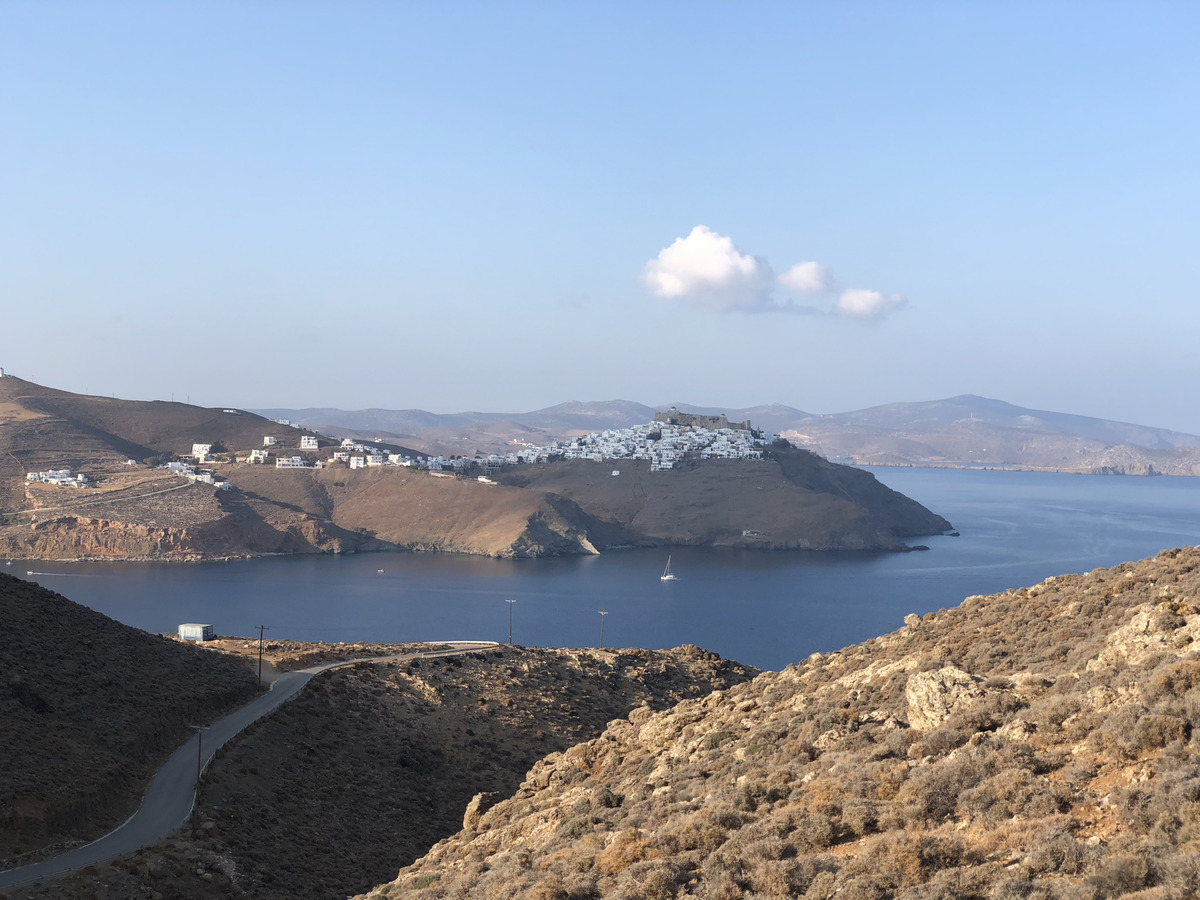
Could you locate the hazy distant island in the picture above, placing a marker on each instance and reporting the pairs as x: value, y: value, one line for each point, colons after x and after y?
x: 84, y: 477
x: 963, y: 431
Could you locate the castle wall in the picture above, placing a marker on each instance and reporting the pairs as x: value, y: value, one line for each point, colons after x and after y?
x: 674, y: 417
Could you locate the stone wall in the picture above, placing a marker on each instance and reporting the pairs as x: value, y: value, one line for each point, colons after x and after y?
x: 674, y: 417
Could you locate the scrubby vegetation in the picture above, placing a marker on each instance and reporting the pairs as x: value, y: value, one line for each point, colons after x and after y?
x: 1033, y: 744
x: 372, y: 766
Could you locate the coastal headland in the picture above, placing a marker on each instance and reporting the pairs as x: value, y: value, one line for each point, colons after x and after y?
x: 84, y: 478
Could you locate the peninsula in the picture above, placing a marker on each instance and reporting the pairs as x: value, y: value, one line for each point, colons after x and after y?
x: 86, y: 477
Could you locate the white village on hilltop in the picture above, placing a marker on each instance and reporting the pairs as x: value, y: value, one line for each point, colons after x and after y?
x: 671, y: 438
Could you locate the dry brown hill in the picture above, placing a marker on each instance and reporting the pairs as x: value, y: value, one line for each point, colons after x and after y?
x: 1039, y: 743
x: 370, y: 767
x: 89, y: 708
x: 792, y: 500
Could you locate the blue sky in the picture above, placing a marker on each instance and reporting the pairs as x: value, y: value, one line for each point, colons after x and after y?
x: 502, y: 206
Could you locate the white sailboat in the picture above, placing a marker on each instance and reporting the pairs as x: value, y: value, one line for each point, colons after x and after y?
x: 667, y: 574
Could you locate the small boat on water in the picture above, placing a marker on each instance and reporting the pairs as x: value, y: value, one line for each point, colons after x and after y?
x: 667, y: 574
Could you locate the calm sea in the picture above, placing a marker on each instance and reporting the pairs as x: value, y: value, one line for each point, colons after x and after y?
x: 763, y: 608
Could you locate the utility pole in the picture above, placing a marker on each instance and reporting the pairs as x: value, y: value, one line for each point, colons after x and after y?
x: 510, y: 606
x: 261, y: 629
x: 199, y: 729
x: 602, y: 615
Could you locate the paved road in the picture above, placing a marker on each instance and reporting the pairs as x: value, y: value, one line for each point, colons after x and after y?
x: 168, y: 803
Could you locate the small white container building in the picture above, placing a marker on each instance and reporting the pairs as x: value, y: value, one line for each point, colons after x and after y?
x: 192, y: 632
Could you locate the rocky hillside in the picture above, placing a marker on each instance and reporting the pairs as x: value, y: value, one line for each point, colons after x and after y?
x: 89, y: 708
x: 794, y: 500
x: 1037, y: 743
x: 370, y: 767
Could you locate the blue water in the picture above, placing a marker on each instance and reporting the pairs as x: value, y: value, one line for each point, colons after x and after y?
x: 763, y: 608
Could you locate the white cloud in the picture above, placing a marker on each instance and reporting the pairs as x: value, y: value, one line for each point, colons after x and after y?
x: 808, y: 278
x: 859, y: 303
x: 706, y: 268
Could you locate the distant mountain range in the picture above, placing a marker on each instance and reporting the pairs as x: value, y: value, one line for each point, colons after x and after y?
x: 960, y: 431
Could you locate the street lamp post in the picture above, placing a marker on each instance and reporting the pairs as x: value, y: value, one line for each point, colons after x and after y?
x: 510, y: 606
x: 602, y: 615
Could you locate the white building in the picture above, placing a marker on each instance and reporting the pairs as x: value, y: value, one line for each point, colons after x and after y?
x: 257, y: 456
x: 201, y: 451
x: 269, y: 441
x: 308, y: 442
x: 290, y: 462
x: 60, y: 477
x: 193, y: 632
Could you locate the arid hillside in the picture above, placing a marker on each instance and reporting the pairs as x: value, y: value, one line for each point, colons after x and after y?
x: 792, y: 500
x: 132, y: 510
x: 89, y: 709
x: 1037, y: 743
x: 371, y: 766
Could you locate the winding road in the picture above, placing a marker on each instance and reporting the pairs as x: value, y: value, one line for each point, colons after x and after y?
x: 169, y: 801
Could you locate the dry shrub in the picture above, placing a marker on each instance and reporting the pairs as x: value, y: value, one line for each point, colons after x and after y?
x: 628, y: 847
x: 1156, y: 731
x: 859, y: 818
x: 701, y: 834
x: 1056, y: 850
x: 1120, y: 874
x: 1049, y: 713
x: 903, y: 858
x: 652, y: 880
x: 551, y: 888
x: 931, y: 792
x: 811, y: 832
x: 1013, y: 792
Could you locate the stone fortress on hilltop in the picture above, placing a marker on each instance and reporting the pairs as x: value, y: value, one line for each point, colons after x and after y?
x: 693, y: 420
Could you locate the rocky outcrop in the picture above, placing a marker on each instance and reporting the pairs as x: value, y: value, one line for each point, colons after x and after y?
x: 480, y: 803
x: 933, y: 696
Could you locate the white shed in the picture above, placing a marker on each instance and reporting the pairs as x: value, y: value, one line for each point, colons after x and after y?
x: 193, y: 632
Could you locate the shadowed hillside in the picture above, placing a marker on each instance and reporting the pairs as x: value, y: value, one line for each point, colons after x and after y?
x: 89, y: 708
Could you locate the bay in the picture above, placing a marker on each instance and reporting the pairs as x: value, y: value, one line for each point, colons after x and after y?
x: 767, y: 609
